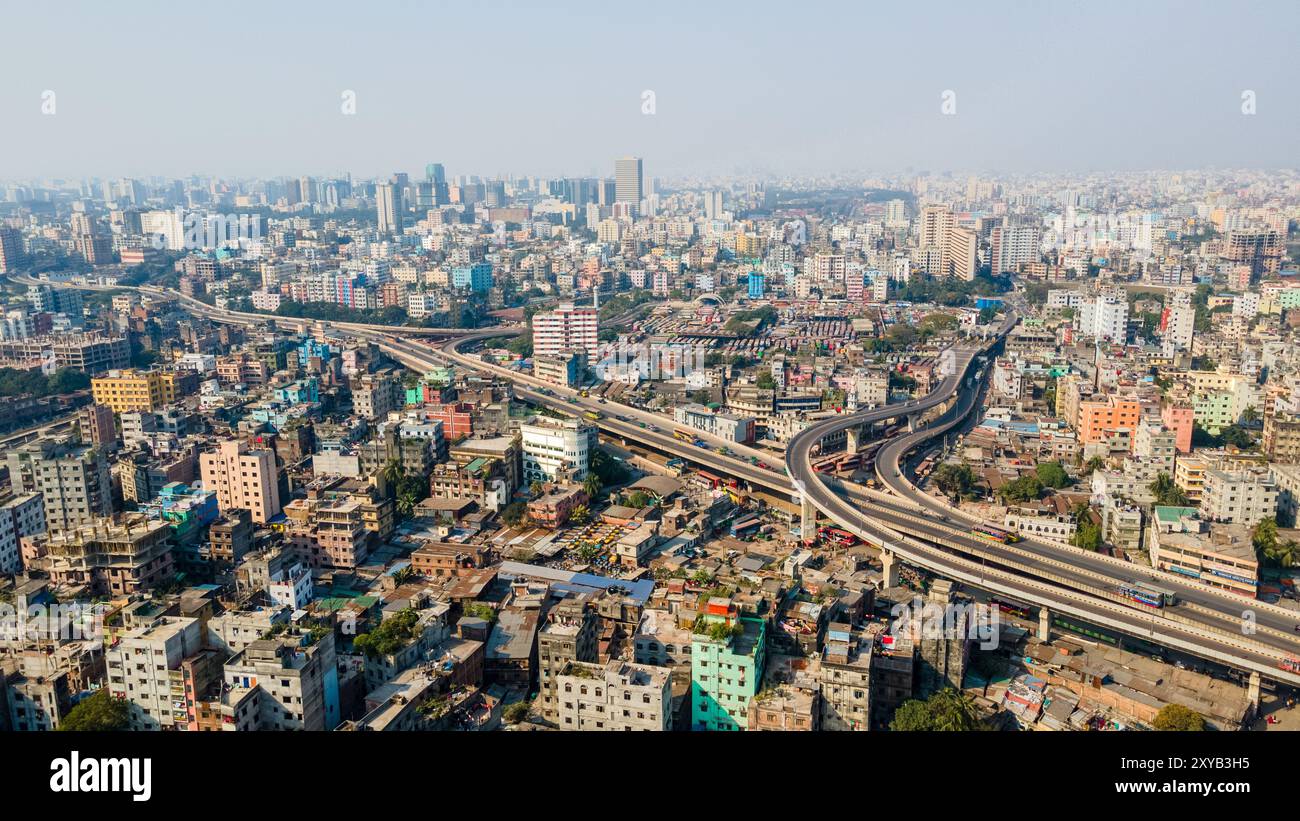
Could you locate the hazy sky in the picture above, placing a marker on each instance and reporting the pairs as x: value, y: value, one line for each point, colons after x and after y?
x: 243, y: 88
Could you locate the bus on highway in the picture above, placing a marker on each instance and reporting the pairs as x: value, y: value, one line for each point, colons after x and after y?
x: 594, y: 415
x: 683, y: 435
x: 1010, y: 606
x: 992, y: 534
x: 1148, y: 595
x: 1291, y: 665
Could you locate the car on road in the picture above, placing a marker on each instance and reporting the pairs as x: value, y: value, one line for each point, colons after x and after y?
x: 654, y: 428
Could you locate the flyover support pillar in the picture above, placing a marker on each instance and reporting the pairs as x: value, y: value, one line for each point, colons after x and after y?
x: 911, y: 423
x: 1044, y: 624
x: 889, y: 568
x: 852, y: 440
x: 807, y: 519
x: 1252, y: 692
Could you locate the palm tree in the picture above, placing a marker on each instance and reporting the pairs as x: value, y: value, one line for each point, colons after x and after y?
x: 536, y: 488
x: 1283, y: 554
x: 580, y: 515
x: 953, y: 711
x: 393, y: 472
x: 406, y: 502
x: 404, y: 575
x: 592, y: 486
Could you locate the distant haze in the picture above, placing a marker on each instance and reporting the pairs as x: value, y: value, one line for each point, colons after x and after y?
x: 497, y: 88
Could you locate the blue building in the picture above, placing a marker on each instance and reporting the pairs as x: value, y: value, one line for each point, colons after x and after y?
x: 313, y: 347
x: 476, y: 277
x: 300, y: 391
x: 756, y: 284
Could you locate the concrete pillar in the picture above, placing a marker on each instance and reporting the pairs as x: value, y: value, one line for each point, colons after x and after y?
x: 889, y: 568
x: 852, y: 440
x: 911, y: 423
x: 1252, y: 692
x: 1044, y: 624
x: 808, y: 520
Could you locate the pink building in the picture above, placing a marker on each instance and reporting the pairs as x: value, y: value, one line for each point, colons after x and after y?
x: 1178, y: 418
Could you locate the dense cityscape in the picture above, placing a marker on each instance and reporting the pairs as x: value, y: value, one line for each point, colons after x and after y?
x: 446, y: 452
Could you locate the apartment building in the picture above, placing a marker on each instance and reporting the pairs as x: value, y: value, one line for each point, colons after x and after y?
x: 566, y: 328
x: 555, y: 449
x: 1239, y: 496
x: 619, y: 696
x: 1282, y: 437
x: 1099, y: 418
x: 243, y: 478
x: 91, y: 353
x: 328, y: 532
x: 1222, y: 556
x: 134, y: 390
x: 569, y: 633
x: 73, y: 480
x: 21, y: 516
x: 285, y: 683
x: 109, y: 558
x: 144, y: 667
x: 728, y: 656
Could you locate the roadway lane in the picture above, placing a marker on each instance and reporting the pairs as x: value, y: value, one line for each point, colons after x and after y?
x: 1249, y: 653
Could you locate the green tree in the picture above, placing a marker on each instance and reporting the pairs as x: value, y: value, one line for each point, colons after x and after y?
x: 1052, y: 474
x: 1238, y: 437
x: 99, y: 712
x: 1087, y: 533
x: 514, y: 513
x: 1177, y: 718
x: 955, y: 481
x: 638, y: 499
x: 592, y: 486
x: 1024, y: 489
x: 1264, y: 536
x: 948, y: 710
x: 1092, y: 465
x: 1168, y: 493
x: 580, y: 515
x: 516, y: 712
x: 536, y: 488
x: 393, y: 472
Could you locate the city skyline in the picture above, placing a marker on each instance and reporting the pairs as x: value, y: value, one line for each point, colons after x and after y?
x: 837, y: 89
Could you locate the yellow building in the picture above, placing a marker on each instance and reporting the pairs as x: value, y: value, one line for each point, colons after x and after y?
x: 133, y: 390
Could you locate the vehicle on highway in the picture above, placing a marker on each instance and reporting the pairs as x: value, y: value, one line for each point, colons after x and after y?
x: 1291, y: 665
x: 992, y: 534
x: 685, y: 436
x: 654, y: 428
x: 594, y: 416
x: 1148, y: 595
x: 1010, y: 606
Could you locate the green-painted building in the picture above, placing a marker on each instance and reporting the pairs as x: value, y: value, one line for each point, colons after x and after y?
x: 728, y: 653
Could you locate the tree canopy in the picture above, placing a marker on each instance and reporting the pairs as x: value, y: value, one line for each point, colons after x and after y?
x: 948, y: 710
x: 1177, y: 718
x: 99, y: 712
